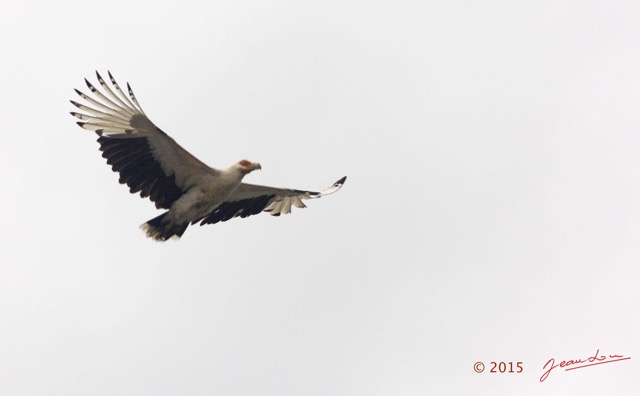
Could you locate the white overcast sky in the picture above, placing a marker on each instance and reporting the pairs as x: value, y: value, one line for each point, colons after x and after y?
x: 491, y: 211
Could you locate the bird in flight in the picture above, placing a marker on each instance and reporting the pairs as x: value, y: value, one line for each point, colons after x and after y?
x: 150, y: 162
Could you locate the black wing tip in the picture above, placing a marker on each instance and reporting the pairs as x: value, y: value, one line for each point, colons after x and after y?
x: 89, y: 85
x: 340, y: 182
x: 131, y: 94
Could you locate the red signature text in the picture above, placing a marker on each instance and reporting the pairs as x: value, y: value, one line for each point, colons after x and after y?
x: 580, y: 363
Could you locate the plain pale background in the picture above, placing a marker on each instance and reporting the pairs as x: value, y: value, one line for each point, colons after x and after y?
x: 491, y: 211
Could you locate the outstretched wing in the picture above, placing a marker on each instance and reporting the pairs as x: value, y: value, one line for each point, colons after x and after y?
x: 148, y: 160
x: 250, y: 199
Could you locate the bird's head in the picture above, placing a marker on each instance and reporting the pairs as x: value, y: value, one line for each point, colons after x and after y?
x: 247, y: 167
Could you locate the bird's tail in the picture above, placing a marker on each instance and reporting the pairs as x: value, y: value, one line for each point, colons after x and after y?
x: 161, y: 228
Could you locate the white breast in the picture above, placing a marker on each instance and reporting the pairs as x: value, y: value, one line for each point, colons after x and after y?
x: 206, y: 194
